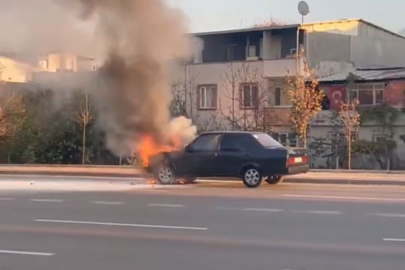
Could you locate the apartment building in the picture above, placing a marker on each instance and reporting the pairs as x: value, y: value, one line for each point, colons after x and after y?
x: 378, y: 89
x: 240, y: 70
x: 14, y: 70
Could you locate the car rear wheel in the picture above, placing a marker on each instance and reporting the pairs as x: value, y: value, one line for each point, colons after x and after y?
x: 165, y: 175
x: 252, y: 177
x: 274, y: 179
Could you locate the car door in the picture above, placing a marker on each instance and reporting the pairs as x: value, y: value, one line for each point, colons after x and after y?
x: 232, y: 155
x: 199, y: 156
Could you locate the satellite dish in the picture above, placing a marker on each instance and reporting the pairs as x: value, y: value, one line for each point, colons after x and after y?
x: 303, y: 8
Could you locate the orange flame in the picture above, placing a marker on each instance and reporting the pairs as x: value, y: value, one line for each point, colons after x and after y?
x: 148, y: 147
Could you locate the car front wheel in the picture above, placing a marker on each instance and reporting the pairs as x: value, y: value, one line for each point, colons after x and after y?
x: 252, y: 177
x: 165, y: 175
x: 274, y: 179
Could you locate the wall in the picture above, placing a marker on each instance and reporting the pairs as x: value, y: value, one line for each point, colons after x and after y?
x: 342, y: 27
x: 84, y: 65
x: 327, y: 47
x: 219, y: 74
x: 367, y: 30
x: 14, y: 71
x: 59, y: 62
x: 328, y: 68
x: 267, y: 41
x: 365, y: 51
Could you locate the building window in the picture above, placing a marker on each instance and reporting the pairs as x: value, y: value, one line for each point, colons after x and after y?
x: 207, y: 97
x: 249, y: 95
x: 252, y: 51
x: 274, y: 96
x: 338, y: 138
x: 43, y: 64
x: 277, y: 96
x: 368, y: 94
x: 230, y: 53
x: 286, y: 139
x: 379, y: 138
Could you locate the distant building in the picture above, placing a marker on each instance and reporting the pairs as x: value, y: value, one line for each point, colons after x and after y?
x: 66, y: 62
x: 253, y: 64
x: 12, y: 70
x: 373, y: 87
x: 331, y: 47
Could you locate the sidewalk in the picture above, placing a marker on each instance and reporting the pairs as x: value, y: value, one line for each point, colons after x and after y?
x: 73, y: 170
x: 347, y: 177
x: 315, y: 176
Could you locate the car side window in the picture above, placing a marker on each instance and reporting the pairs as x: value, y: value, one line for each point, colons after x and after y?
x: 231, y: 142
x: 208, y: 142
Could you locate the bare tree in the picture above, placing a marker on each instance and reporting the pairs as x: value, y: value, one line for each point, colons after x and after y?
x: 190, y: 90
x: 244, y: 99
x: 12, y: 115
x: 83, y: 118
x: 178, y: 104
x: 306, y: 98
x: 351, y: 120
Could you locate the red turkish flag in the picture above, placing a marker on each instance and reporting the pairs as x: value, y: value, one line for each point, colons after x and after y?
x: 336, y: 97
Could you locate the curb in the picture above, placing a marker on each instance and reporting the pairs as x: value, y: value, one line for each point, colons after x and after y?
x: 287, y: 180
x: 347, y: 182
x: 88, y: 174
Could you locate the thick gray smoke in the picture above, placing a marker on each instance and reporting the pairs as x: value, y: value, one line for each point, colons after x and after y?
x: 134, y: 94
x: 42, y: 26
x: 135, y: 39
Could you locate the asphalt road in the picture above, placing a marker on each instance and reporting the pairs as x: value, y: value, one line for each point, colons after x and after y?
x: 203, y: 226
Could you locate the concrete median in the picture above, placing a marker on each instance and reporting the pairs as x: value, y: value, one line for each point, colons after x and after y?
x: 355, y: 177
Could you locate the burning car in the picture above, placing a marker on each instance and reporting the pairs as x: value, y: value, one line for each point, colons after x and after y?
x: 250, y: 156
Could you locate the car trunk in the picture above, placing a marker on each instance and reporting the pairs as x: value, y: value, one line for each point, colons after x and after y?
x: 296, y: 156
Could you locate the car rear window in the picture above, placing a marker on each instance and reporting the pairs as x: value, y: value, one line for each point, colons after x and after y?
x: 266, y: 140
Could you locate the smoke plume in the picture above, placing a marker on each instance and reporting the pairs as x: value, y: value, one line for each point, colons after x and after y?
x: 135, y: 39
x: 135, y: 94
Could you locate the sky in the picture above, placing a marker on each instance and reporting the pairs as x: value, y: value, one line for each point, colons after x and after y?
x: 211, y: 15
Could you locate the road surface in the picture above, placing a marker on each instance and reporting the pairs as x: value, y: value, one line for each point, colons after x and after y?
x: 86, y: 225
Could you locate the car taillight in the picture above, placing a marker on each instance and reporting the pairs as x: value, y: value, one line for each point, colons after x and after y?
x: 290, y: 161
x: 296, y: 160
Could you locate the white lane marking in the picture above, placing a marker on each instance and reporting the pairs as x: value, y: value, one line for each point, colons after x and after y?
x: 47, y: 200
x: 387, y: 215
x: 122, y: 224
x: 263, y: 210
x: 107, y: 203
x: 6, y: 199
x: 227, y: 208
x: 165, y: 205
x: 15, y: 252
x: 341, y: 197
x: 318, y: 212
x: 394, y: 239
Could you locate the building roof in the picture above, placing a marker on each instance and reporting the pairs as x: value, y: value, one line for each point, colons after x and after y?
x: 367, y: 74
x: 245, y: 30
x: 287, y: 26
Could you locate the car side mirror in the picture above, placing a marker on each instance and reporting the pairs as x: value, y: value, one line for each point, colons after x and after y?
x: 188, y: 150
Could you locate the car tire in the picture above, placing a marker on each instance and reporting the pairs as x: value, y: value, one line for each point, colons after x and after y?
x: 252, y: 177
x: 165, y: 175
x: 274, y: 179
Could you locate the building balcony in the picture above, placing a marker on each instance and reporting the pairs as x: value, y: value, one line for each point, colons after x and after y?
x: 282, y: 67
